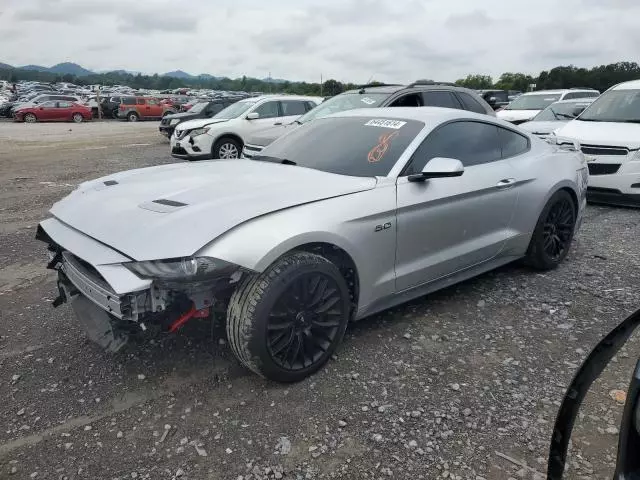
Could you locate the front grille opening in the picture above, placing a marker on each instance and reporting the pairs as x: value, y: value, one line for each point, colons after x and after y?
x: 603, y: 168
x: 604, y: 150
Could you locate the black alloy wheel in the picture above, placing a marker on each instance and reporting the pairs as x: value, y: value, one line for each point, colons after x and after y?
x: 305, y: 321
x: 558, y: 229
x: 553, y: 234
x: 285, y: 322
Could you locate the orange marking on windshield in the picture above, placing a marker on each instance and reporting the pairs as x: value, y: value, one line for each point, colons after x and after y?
x: 377, y: 152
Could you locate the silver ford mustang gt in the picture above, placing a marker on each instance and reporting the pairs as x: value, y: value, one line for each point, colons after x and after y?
x: 342, y: 218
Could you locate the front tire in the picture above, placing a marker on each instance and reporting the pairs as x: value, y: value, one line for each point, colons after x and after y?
x: 77, y: 118
x: 552, y: 237
x: 133, y: 117
x: 285, y: 323
x: 30, y: 118
x: 226, y: 149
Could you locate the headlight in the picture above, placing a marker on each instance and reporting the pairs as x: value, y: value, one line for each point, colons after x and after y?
x: 186, y: 268
x: 175, y: 121
x: 199, y: 131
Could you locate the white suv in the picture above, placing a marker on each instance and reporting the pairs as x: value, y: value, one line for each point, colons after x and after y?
x: 222, y: 136
x: 608, y: 132
x: 528, y: 105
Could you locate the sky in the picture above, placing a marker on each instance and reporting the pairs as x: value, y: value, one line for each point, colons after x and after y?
x: 348, y: 40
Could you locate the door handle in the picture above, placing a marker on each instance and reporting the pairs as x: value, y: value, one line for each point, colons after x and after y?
x: 506, y: 183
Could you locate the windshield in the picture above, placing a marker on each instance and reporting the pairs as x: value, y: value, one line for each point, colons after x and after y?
x: 354, y: 146
x: 198, y: 107
x: 235, y: 110
x: 343, y: 102
x: 560, y: 111
x: 614, y: 106
x: 533, y: 102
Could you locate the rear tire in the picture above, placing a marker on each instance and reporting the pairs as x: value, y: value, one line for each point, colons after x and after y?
x: 133, y: 117
x: 226, y: 148
x: 77, y: 118
x: 30, y: 118
x: 285, y: 323
x: 552, y: 237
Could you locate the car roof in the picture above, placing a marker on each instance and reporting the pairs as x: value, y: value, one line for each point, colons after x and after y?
x: 559, y: 91
x: 428, y: 115
x: 278, y: 97
x: 632, y: 85
x: 575, y: 100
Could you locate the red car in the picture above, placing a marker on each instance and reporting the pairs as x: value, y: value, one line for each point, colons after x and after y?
x: 54, y: 111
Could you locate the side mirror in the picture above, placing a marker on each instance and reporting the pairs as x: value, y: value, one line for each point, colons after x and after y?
x: 253, y: 116
x: 577, y: 111
x: 439, y: 167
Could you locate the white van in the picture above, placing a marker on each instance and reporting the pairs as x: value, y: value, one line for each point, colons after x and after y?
x: 608, y: 132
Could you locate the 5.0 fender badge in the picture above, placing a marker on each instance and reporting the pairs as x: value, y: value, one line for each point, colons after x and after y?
x: 383, y: 227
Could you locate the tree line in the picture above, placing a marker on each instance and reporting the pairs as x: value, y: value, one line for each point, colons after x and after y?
x: 601, y: 78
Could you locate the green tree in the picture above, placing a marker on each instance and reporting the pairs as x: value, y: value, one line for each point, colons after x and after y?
x: 476, y: 82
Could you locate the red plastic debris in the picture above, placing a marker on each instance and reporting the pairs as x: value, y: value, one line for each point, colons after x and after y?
x: 185, y: 317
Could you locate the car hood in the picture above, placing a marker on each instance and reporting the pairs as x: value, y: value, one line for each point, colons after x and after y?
x: 542, y: 127
x: 516, y: 115
x: 267, y: 135
x: 602, y: 133
x: 183, y: 115
x: 174, y: 210
x: 199, y: 123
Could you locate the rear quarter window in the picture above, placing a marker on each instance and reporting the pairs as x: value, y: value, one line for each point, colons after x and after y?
x: 129, y: 101
x: 512, y: 143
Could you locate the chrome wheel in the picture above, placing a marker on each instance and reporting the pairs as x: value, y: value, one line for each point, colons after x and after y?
x: 133, y: 117
x: 77, y: 118
x: 305, y: 321
x: 30, y: 118
x: 227, y: 151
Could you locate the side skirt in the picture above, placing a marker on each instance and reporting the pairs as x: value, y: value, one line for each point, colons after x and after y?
x: 404, y: 296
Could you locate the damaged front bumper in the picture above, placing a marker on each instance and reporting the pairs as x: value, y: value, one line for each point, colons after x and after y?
x: 110, y: 310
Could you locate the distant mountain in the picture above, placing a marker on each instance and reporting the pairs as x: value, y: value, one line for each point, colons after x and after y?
x: 178, y: 74
x: 274, y: 80
x: 68, y: 68
x: 5, y: 66
x: 38, y: 68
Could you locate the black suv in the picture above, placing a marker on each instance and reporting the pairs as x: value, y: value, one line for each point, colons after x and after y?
x: 496, y: 98
x: 423, y: 93
x: 203, y: 109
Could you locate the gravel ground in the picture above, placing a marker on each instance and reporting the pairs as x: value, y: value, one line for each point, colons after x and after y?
x: 462, y: 384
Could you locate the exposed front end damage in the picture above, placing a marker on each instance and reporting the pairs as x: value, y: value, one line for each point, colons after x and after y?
x: 109, y: 318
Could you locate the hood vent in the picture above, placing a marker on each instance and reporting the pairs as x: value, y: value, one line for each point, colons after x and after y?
x: 163, y: 205
x: 170, y: 203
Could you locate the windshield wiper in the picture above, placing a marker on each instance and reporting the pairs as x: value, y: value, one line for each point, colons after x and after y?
x: 297, y: 121
x: 565, y: 115
x: 631, y: 121
x: 266, y: 158
x: 589, y: 120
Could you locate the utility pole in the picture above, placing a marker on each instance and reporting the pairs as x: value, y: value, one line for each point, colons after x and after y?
x: 321, y: 85
x: 269, y: 82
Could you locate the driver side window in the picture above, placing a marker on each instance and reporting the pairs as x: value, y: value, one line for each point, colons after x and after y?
x: 409, y: 100
x: 268, y: 110
x: 473, y: 143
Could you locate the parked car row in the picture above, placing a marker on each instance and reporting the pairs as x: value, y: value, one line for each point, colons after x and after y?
x: 250, y: 125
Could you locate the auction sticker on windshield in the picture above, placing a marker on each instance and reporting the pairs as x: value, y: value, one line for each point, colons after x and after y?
x: 379, y: 122
x: 368, y: 101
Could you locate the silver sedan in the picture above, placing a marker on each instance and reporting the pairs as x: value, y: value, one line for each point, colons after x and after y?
x: 339, y: 219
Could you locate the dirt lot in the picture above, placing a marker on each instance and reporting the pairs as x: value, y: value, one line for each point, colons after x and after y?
x: 445, y: 386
